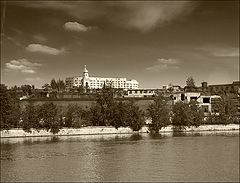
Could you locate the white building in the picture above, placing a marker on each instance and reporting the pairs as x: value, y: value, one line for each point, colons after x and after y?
x: 98, y: 82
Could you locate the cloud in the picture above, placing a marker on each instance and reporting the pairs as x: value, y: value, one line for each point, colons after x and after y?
x: 141, y: 15
x: 230, y: 52
x: 11, y: 39
x: 75, y: 26
x: 22, y: 65
x: 163, y: 63
x: 39, y: 38
x: 34, y: 79
x: 220, y: 51
x: 43, y: 49
x: 146, y: 16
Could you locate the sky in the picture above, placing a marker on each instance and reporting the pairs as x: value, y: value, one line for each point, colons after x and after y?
x: 154, y: 42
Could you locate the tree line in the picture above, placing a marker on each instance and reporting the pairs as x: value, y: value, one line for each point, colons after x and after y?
x: 110, y: 111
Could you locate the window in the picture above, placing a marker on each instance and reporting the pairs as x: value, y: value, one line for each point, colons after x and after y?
x: 182, y: 97
x: 206, y: 100
x: 193, y: 98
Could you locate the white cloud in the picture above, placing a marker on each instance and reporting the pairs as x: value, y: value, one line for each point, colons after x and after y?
x: 44, y: 49
x: 75, y: 26
x: 163, y: 63
x: 220, y: 51
x: 22, y: 65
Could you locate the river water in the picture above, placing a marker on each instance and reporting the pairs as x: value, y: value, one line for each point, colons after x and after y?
x: 205, y: 156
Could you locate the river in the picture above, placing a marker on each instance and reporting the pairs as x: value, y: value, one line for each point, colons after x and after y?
x: 205, y: 156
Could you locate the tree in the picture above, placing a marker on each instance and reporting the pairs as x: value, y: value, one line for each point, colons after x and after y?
x: 134, y: 116
x: 48, y: 114
x: 190, y: 82
x: 158, y: 111
x: 27, y: 89
x: 53, y: 84
x: 30, y: 118
x: 225, y: 111
x: 181, y: 115
x: 196, y: 115
x: 74, y: 116
x: 60, y: 85
x: 10, y: 109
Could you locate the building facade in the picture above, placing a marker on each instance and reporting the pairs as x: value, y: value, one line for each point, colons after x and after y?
x: 98, y: 82
x: 204, y: 101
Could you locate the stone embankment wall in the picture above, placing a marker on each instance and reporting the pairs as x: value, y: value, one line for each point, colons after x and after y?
x: 100, y: 130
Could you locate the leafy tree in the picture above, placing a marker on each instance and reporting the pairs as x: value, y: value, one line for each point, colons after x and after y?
x: 225, y: 111
x: 190, y: 82
x: 181, y: 115
x: 10, y: 109
x: 48, y: 114
x: 196, y: 115
x: 27, y: 89
x: 134, y: 116
x: 74, y: 116
x: 30, y: 118
x: 106, y: 104
x: 53, y: 84
x: 158, y: 111
x: 60, y: 85
x: 95, y: 116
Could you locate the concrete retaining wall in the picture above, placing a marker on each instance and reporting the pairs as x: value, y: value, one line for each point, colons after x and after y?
x: 100, y: 130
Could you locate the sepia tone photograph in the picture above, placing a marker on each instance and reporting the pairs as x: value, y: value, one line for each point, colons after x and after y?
x: 119, y: 91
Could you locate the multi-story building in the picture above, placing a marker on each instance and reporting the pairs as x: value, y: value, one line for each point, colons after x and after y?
x: 204, y: 101
x: 98, y: 82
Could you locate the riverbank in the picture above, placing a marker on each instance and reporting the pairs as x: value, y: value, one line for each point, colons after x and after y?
x: 101, y: 130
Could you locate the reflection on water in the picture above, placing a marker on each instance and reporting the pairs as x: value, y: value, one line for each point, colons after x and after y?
x: 191, y: 156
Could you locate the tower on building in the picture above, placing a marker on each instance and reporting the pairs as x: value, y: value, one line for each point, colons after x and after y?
x: 85, y: 77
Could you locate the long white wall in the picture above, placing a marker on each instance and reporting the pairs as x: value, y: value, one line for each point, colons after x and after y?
x: 100, y: 130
